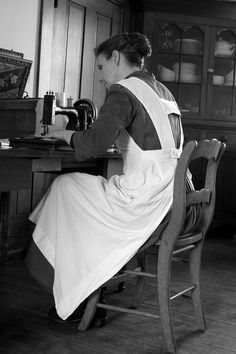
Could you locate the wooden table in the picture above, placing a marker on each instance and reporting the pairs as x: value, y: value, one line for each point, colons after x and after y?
x: 17, y: 166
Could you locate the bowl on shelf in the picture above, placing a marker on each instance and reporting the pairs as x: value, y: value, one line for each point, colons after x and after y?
x: 189, y: 78
x: 184, y: 67
x: 224, y: 49
x: 189, y: 45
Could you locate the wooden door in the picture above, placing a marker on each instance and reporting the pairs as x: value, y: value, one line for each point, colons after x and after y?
x: 70, y: 32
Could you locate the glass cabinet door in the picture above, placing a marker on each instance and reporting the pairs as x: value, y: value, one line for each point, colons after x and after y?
x: 180, y: 64
x: 222, y: 81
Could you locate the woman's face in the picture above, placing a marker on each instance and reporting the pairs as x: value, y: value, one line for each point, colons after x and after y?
x: 108, y: 68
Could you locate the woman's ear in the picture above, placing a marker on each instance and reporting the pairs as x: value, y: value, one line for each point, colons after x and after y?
x: 116, y: 56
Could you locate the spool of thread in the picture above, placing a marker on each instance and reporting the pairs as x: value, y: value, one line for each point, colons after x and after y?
x: 69, y: 102
x: 61, y: 99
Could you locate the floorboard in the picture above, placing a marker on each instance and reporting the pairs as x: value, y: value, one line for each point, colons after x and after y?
x: 25, y: 329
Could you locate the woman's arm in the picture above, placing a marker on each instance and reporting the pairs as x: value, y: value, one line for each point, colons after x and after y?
x: 115, y: 115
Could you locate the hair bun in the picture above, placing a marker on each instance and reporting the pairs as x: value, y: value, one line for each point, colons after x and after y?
x: 141, y: 44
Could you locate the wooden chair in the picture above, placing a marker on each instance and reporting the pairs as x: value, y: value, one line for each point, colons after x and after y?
x: 183, y: 230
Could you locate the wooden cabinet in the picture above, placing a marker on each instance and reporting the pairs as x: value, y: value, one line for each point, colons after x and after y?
x: 197, y: 62
x: 195, y: 57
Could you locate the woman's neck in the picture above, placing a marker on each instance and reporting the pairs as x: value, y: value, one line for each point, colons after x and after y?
x: 127, y: 72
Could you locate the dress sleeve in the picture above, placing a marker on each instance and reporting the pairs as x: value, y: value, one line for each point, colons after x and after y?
x: 116, y: 114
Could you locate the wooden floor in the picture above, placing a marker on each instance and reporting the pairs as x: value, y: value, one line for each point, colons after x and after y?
x: 24, y: 328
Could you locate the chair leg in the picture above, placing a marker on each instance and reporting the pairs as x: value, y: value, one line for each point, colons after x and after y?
x: 163, y: 289
x: 195, y: 267
x: 121, y: 285
x: 141, y: 262
x: 90, y: 310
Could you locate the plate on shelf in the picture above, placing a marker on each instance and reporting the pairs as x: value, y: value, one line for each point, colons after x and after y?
x: 218, y: 80
x: 184, y: 67
x: 167, y: 74
x: 189, y: 78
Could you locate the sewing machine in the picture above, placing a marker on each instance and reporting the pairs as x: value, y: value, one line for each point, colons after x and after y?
x: 79, y: 117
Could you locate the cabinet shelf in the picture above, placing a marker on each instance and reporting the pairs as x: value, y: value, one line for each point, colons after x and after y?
x: 180, y: 83
x: 224, y: 86
x: 189, y: 83
x: 222, y: 57
x: 180, y: 54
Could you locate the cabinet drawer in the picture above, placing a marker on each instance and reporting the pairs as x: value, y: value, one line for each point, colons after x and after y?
x: 228, y: 137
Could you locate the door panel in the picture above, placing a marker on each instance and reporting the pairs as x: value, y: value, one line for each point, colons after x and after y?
x: 56, y: 72
x: 104, y: 25
x: 74, y: 50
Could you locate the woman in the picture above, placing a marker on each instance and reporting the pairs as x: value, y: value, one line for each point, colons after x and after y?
x: 88, y: 227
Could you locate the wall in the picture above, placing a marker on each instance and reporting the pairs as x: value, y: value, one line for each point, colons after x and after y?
x: 20, y: 20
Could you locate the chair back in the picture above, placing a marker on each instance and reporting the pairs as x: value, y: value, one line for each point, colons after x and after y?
x: 193, y: 209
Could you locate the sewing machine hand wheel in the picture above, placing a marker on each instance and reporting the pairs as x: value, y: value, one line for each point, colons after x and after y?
x: 87, y: 112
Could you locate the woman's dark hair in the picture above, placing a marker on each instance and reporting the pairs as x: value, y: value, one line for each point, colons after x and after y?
x: 134, y: 46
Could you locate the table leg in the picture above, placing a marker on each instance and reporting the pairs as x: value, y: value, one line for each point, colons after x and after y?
x: 5, y: 233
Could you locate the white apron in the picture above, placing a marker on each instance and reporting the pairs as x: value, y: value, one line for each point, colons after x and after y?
x: 88, y: 227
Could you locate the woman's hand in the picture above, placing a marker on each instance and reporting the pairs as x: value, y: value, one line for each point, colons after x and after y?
x: 61, y: 135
